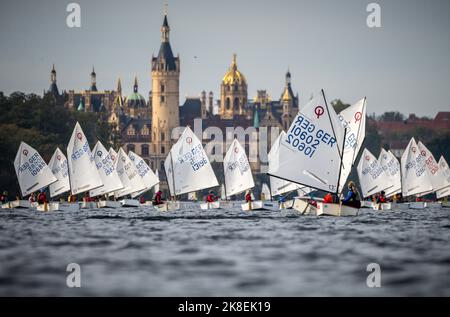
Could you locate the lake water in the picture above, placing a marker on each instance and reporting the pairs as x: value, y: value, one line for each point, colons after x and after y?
x: 224, y: 253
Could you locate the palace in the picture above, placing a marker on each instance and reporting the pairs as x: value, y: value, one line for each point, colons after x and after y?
x: 145, y: 127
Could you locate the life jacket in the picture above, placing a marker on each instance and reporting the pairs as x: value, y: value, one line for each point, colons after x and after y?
x: 157, y: 199
x: 328, y: 199
x: 210, y: 198
x: 381, y: 199
x: 142, y: 200
x: 42, y: 198
x: 248, y: 197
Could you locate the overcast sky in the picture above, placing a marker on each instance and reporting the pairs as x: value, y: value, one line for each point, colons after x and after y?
x: 404, y: 65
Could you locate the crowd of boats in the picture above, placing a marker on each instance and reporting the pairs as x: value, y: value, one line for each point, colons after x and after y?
x: 315, y: 155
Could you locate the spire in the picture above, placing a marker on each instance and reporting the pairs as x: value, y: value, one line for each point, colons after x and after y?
x: 53, y: 75
x: 233, y: 62
x: 119, y: 86
x: 93, y: 80
x: 135, y: 86
x: 53, y: 87
x: 165, y: 29
x: 288, y: 77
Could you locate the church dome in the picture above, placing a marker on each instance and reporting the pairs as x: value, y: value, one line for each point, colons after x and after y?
x: 136, y: 100
x: 233, y: 75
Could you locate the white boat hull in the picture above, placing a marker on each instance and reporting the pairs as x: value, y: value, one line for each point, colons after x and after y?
x: 168, y: 206
x: 399, y: 206
x: 109, y: 204
x: 260, y: 205
x: 210, y: 205
x: 383, y: 206
x: 51, y: 206
x: 289, y: 204
x: 337, y: 210
x: 417, y: 205
x: 130, y: 203
x: 304, y: 208
x: 88, y: 205
x: 20, y: 204
x: 69, y: 207
x: 434, y: 205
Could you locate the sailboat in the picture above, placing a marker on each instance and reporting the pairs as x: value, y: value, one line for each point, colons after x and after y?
x: 83, y: 174
x: 59, y: 167
x: 130, y: 178
x: 392, y: 173
x: 32, y: 173
x: 148, y: 177
x: 187, y: 169
x: 435, y: 174
x: 415, y: 179
x: 445, y: 173
x: 354, y: 120
x: 279, y: 186
x: 108, y: 174
x: 311, y: 153
x: 372, y: 180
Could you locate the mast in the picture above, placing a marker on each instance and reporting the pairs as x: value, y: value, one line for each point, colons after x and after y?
x: 340, y: 168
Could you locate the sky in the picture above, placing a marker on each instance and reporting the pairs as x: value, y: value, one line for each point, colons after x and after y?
x: 402, y: 66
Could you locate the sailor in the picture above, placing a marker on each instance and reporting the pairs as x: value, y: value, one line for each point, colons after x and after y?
x: 381, y: 198
x: 248, y: 196
x: 157, y: 200
x: 32, y: 198
x: 42, y: 198
x: 328, y: 199
x: 4, y: 197
x: 352, y: 198
x: 210, y: 198
x: 142, y: 200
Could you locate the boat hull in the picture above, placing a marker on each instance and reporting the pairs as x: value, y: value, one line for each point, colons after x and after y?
x: 260, y: 205
x: 88, y: 205
x: 109, y: 204
x: 337, y: 210
x: 289, y: 204
x: 446, y: 204
x: 434, y: 205
x: 383, y: 206
x: 417, y: 205
x: 210, y: 205
x: 130, y: 203
x: 168, y: 206
x: 51, y: 206
x: 399, y: 206
x: 305, y: 208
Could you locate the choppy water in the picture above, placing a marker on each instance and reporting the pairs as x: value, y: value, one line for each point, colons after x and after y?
x: 224, y: 253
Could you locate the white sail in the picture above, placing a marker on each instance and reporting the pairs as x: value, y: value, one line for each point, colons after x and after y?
x: 113, y: 155
x: 128, y: 174
x: 310, y: 153
x: 148, y: 177
x: 445, y: 172
x: 157, y: 185
x: 83, y: 174
x: 108, y: 174
x: 434, y: 172
x: 31, y: 170
x: 354, y: 120
x: 415, y: 180
x: 265, y: 191
x: 371, y: 174
x: 168, y: 167
x: 303, y: 191
x: 278, y: 186
x: 238, y: 175
x: 59, y: 167
x: 222, y: 192
x: 392, y: 173
x: 190, y: 164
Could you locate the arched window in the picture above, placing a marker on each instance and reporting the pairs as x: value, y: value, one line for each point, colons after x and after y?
x: 144, y: 149
x: 163, y: 149
x: 130, y: 147
x: 162, y: 136
x: 236, y: 103
x: 227, y: 104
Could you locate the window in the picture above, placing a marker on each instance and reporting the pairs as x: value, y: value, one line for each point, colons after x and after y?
x: 163, y: 99
x: 163, y: 149
x: 163, y: 136
x: 144, y: 150
x: 236, y: 103
x: 152, y: 166
x: 227, y: 103
x: 162, y: 165
x: 130, y: 147
x: 162, y: 88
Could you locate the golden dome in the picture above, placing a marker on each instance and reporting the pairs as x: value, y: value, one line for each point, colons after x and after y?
x: 233, y: 76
